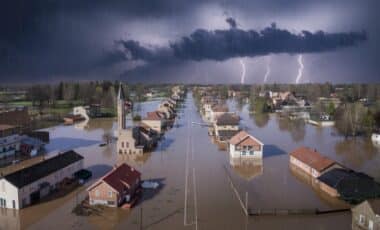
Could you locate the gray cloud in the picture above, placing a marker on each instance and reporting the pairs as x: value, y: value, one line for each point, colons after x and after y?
x: 232, y: 22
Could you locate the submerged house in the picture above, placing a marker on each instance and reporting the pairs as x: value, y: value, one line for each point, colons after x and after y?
x: 118, y: 186
x: 366, y: 215
x: 245, y: 145
x: 226, y: 126
x: 28, y: 185
x: 312, y: 162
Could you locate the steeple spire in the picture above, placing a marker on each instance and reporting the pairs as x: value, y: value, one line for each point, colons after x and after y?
x: 120, y: 95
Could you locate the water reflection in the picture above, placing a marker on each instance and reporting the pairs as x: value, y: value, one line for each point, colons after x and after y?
x: 10, y: 219
x: 357, y: 151
x: 260, y: 119
x: 133, y: 159
x: 296, y: 128
x: 247, y: 168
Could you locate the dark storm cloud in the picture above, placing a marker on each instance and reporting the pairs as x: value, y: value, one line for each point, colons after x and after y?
x: 221, y: 45
x: 47, y: 40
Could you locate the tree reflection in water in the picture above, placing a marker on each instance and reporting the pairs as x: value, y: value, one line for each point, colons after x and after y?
x: 260, y: 119
x: 356, y: 151
x: 296, y: 128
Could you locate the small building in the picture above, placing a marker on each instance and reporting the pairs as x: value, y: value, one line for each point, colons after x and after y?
x: 26, y: 186
x: 366, y: 215
x: 10, y: 140
x: 155, y: 120
x: 226, y: 126
x: 245, y: 145
x: 311, y: 161
x: 118, y: 186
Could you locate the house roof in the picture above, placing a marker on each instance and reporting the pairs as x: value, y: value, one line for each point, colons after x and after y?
x: 40, y: 170
x: 153, y: 116
x: 228, y: 119
x: 119, y: 177
x: 220, y: 108
x: 312, y: 158
x: 244, y: 138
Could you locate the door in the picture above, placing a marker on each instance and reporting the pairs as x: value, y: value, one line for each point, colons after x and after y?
x: 14, y: 204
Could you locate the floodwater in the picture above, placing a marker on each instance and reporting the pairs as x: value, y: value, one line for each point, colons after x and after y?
x: 195, y: 174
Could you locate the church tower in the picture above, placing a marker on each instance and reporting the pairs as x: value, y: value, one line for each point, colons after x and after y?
x: 121, y: 114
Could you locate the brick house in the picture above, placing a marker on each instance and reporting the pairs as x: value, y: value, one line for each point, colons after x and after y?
x: 311, y: 161
x: 118, y: 186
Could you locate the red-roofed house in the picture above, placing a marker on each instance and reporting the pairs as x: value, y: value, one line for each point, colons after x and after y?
x: 311, y: 161
x: 118, y: 186
x: 155, y: 120
x: 245, y: 145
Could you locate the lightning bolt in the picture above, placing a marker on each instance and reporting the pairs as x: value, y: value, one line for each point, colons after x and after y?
x: 268, y: 70
x: 243, y: 71
x: 300, y: 69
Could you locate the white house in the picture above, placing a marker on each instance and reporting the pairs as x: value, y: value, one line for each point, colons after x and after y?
x: 245, y: 145
x: 28, y: 185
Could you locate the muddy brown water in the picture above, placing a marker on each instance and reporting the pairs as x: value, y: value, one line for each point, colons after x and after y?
x: 188, y: 152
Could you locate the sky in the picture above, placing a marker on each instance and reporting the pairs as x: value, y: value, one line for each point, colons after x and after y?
x: 198, y: 41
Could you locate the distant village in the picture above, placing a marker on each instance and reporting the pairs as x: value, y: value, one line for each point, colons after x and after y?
x: 355, y: 112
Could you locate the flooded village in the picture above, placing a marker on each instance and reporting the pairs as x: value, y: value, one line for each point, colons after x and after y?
x: 194, y: 157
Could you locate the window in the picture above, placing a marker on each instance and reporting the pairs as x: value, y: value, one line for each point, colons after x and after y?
x: 361, y: 219
x: 110, y: 193
x: 370, y: 225
x: 97, y: 193
x: 122, y: 144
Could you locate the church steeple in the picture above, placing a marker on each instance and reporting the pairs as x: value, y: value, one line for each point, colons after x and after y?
x: 121, y: 108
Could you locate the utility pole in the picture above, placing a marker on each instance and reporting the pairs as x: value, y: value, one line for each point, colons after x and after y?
x: 141, y: 218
